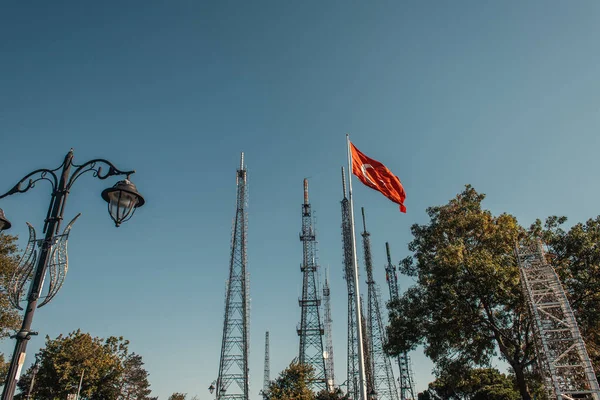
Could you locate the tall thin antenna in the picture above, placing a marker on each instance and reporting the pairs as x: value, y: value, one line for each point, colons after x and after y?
x: 353, y: 376
x: 232, y: 381
x: 383, y: 382
x: 407, y: 388
x: 311, y: 329
x: 267, y: 376
x: 328, y: 335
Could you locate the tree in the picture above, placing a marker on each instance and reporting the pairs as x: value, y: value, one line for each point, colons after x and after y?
x: 178, y: 396
x: 292, y: 383
x: 134, y: 381
x: 9, y: 316
x: 109, y: 371
x: 476, y: 384
x: 337, y: 394
x: 484, y: 383
x: 575, y: 254
x: 466, y: 306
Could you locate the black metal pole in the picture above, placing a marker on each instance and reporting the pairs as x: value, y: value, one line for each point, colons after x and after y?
x: 57, y: 203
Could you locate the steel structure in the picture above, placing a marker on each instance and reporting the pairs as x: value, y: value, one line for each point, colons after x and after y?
x: 407, y: 388
x: 352, y: 362
x: 384, y: 384
x: 562, y: 356
x: 267, y: 376
x: 310, y: 329
x: 371, y: 393
x: 232, y: 381
x: 328, y: 336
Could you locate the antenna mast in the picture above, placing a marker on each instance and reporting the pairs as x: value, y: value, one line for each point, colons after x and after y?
x: 407, y: 388
x: 310, y: 329
x: 384, y: 384
x: 232, y: 381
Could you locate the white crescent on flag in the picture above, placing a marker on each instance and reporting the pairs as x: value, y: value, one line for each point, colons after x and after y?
x: 364, y: 168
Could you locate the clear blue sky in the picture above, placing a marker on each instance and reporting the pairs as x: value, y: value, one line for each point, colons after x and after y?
x: 504, y: 95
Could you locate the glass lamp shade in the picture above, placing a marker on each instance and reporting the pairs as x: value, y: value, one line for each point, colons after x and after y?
x: 123, y: 199
x: 4, y: 223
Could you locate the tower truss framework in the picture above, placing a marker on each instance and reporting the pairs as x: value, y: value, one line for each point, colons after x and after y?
x: 562, y: 356
x: 352, y: 371
x: 310, y: 329
x: 384, y: 384
x: 352, y: 362
x: 267, y: 369
x: 329, y: 366
x: 405, y: 380
x: 232, y: 381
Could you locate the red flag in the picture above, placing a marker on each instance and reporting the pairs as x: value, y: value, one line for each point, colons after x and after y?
x: 376, y: 176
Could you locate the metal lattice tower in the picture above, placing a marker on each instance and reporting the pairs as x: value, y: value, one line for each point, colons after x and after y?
x: 267, y: 376
x: 328, y: 336
x: 353, y: 375
x: 310, y: 329
x: 381, y: 366
x: 232, y: 381
x: 562, y: 356
x: 368, y: 359
x: 407, y: 388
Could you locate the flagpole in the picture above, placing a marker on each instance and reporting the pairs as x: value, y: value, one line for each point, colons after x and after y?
x: 361, y: 354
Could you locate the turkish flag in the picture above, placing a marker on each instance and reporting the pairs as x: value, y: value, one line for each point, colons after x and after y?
x: 377, y: 176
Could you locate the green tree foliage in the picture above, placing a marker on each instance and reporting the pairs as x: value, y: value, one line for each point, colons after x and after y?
x: 9, y: 317
x: 134, y: 381
x: 110, y: 372
x: 575, y: 254
x: 178, y: 396
x: 476, y: 384
x: 337, y: 394
x: 292, y: 383
x: 467, y: 305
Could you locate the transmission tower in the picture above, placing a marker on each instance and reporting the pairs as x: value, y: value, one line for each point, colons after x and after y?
x: 353, y: 373
x: 310, y: 329
x: 384, y: 384
x: 267, y: 378
x: 232, y: 381
x: 328, y: 336
x: 562, y: 356
x: 407, y: 388
x: 371, y: 393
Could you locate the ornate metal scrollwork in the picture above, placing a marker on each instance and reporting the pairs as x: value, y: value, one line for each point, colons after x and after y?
x: 58, y: 266
x: 24, y: 270
x: 96, y: 169
x: 32, y: 179
x: 59, y: 263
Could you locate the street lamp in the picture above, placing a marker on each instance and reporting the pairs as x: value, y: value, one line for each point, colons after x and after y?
x: 212, y: 388
x: 123, y: 199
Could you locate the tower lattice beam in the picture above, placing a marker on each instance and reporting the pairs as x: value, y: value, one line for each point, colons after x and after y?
x: 384, y: 384
x: 328, y: 336
x: 407, y: 388
x: 352, y: 362
x: 232, y: 381
x: 310, y: 329
x: 562, y: 356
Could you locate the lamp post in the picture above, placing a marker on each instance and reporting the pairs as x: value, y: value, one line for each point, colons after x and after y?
x: 123, y: 199
x: 212, y: 388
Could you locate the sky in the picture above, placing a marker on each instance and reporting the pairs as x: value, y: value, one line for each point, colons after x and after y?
x: 501, y: 95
